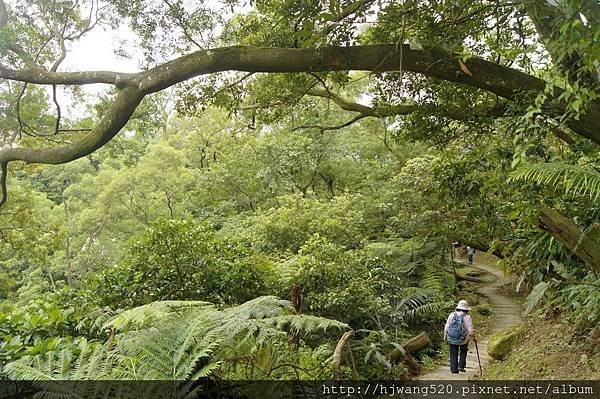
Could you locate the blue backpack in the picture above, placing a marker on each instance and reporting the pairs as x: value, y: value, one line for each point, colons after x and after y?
x: 456, y: 332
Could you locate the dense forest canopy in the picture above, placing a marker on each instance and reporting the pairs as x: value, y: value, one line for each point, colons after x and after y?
x: 322, y: 152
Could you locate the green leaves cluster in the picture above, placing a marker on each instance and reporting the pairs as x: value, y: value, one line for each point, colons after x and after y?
x: 181, y: 259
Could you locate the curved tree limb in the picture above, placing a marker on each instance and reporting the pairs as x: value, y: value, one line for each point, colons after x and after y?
x: 122, y: 108
x: 43, y: 77
x: 120, y: 112
x: 503, y: 81
x: 117, y: 116
x: 337, y: 353
x: 432, y: 62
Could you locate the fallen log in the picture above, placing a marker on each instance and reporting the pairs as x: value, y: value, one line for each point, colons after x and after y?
x: 464, y: 277
x: 475, y: 273
x: 412, y: 345
x: 417, y: 343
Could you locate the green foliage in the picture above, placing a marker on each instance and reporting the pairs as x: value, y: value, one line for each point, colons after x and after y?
x: 573, y: 179
x: 180, y: 259
x: 373, y: 353
x: 251, y: 185
x: 537, y: 293
x: 289, y: 226
x: 171, y: 340
x: 37, y: 329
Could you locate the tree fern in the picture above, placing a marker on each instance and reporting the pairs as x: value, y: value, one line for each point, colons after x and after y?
x: 575, y: 179
x: 170, y: 340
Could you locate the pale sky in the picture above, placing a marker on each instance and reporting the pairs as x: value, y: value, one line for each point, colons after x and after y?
x: 95, y: 51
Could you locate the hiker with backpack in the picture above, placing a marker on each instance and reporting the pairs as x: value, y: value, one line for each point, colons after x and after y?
x: 457, y: 332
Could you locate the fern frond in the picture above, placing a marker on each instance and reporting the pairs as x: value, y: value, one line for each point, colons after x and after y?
x: 141, y: 316
x: 419, y: 303
x: 172, y: 340
x: 575, y: 179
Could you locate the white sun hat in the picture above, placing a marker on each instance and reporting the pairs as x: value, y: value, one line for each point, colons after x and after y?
x: 463, y: 305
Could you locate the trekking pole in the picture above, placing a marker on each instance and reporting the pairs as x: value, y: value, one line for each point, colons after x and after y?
x: 478, y: 359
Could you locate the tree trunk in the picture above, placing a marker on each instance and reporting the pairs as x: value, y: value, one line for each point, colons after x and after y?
x: 417, y: 343
x: 51, y: 281
x: 337, y: 353
x: 484, y: 247
x: 584, y: 245
x: 68, y: 242
x: 414, y: 344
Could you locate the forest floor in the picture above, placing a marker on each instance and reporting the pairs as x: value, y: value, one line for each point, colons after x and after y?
x: 505, y: 313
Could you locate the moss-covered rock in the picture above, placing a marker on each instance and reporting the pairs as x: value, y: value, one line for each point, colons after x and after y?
x: 500, y: 344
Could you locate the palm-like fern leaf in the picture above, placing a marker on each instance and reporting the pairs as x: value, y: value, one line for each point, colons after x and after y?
x: 419, y: 302
x: 151, y: 313
x: 306, y: 323
x: 576, y: 180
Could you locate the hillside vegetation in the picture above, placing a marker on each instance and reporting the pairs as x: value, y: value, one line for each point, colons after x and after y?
x: 276, y: 193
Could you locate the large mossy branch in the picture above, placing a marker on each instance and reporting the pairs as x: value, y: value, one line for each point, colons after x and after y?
x: 503, y: 81
x: 432, y: 62
x: 44, y: 77
x: 585, y: 246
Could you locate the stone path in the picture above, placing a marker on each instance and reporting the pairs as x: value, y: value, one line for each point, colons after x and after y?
x: 505, y: 313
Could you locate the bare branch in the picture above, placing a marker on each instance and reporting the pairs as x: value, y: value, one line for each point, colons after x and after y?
x: 54, y: 68
x: 342, y: 103
x: 58, y: 111
x: 496, y: 110
x: 233, y: 84
x: 323, y: 128
x: 182, y: 24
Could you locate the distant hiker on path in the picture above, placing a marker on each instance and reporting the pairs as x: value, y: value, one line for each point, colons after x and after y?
x: 457, y: 332
x: 470, y: 253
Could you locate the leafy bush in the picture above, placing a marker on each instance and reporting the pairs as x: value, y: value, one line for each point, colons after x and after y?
x: 289, y: 226
x: 338, y: 283
x: 36, y: 329
x: 178, y: 259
